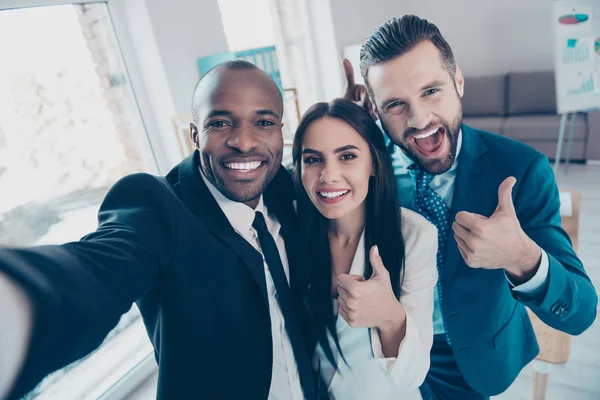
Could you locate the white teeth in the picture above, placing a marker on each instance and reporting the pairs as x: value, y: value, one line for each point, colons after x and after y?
x: 426, y: 134
x: 332, y: 195
x: 244, y: 167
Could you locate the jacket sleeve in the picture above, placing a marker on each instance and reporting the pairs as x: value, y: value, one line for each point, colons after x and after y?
x: 78, y: 291
x: 568, y: 299
x: 409, y: 368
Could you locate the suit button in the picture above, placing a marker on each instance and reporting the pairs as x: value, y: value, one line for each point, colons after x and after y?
x: 563, y: 312
x: 557, y: 308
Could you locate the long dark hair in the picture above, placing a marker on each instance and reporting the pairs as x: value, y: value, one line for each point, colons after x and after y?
x: 382, y: 226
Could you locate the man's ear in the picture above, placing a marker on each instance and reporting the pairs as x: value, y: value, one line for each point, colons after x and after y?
x: 459, y: 82
x: 374, y: 112
x: 194, y: 135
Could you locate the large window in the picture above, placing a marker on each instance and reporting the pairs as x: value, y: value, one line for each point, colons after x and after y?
x: 247, y: 24
x: 69, y: 129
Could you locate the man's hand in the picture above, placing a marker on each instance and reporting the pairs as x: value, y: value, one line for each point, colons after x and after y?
x: 356, y: 93
x: 498, y: 241
x: 370, y: 303
x: 17, y: 324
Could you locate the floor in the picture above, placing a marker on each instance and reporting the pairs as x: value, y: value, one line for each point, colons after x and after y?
x: 579, y: 378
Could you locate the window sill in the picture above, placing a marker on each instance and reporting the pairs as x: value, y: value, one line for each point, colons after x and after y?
x: 123, y: 361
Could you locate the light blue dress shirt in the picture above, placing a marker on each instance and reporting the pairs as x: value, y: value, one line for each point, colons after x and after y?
x: 443, y: 184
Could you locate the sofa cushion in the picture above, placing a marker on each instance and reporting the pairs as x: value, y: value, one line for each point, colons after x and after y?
x: 593, y: 142
x: 548, y: 148
x: 484, y: 96
x: 490, y: 124
x: 531, y: 93
x: 541, y: 127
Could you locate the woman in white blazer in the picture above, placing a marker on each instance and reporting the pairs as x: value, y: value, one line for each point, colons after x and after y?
x: 374, y: 265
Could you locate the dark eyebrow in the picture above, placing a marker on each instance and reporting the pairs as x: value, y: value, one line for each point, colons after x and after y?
x: 225, y: 113
x: 311, y: 151
x: 432, y: 85
x: 219, y: 113
x: 344, y: 148
x: 339, y: 150
x: 268, y: 112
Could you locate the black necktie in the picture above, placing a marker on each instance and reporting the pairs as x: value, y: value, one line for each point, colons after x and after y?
x: 286, y: 303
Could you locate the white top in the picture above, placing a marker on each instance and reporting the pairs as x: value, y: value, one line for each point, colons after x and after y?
x: 285, y: 381
x: 369, y: 375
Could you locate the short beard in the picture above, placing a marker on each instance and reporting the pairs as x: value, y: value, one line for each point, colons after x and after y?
x: 436, y: 167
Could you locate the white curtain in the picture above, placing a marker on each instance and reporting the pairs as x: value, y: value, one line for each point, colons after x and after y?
x: 295, y: 50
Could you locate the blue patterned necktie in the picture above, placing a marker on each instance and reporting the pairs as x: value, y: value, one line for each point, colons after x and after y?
x: 431, y: 206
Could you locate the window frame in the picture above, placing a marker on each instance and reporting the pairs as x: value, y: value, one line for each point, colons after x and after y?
x: 124, y: 385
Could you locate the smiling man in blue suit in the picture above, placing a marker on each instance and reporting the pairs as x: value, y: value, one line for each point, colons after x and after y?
x: 495, y: 204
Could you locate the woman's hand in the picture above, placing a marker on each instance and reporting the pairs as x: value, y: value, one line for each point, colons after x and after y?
x: 370, y: 303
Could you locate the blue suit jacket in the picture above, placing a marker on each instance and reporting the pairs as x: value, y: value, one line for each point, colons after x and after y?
x: 488, y: 325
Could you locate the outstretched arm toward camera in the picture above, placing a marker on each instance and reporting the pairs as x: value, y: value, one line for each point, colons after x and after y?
x: 78, y: 291
x: 15, y: 314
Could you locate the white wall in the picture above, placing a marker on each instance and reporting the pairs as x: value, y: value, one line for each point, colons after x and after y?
x: 487, y: 36
x: 185, y: 30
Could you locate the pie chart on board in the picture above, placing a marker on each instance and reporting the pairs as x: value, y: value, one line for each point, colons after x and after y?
x: 573, y: 19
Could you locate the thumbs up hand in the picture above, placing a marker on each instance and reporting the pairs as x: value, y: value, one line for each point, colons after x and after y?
x: 369, y: 303
x: 498, y: 241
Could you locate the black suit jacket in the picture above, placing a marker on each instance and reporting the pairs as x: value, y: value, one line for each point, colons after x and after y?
x: 165, y: 244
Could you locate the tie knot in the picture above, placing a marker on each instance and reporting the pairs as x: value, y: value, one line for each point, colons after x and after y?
x: 420, y: 178
x: 259, y: 222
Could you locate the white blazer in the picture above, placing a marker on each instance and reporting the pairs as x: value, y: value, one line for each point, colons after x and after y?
x: 369, y: 375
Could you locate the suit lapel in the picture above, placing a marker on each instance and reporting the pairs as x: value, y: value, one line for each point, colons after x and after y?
x: 469, y: 188
x: 198, y: 199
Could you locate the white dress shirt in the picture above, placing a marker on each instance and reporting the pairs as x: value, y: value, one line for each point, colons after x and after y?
x: 369, y: 374
x: 285, y: 381
x: 16, y: 317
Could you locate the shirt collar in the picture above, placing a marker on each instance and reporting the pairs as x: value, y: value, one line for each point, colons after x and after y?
x: 401, y: 160
x: 239, y: 215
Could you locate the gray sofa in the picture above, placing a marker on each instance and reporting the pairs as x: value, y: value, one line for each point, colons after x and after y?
x: 522, y: 106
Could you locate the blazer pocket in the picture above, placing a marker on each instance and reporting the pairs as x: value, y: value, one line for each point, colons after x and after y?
x: 504, y: 324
